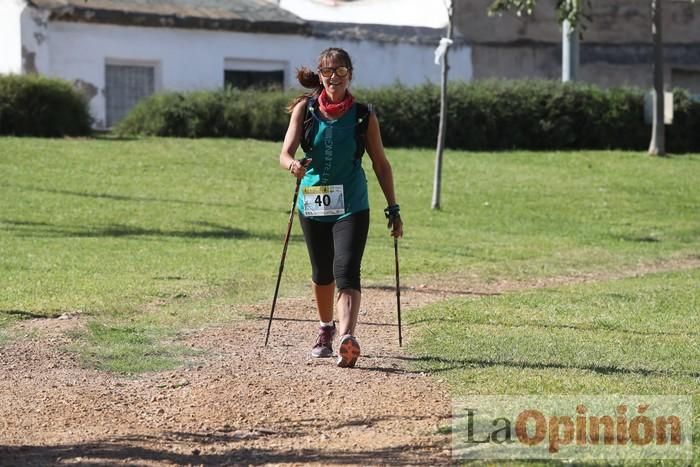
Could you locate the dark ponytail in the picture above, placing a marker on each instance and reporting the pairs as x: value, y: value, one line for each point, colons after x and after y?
x: 312, y: 80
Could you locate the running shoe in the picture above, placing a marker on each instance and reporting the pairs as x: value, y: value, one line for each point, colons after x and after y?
x: 348, y: 351
x: 324, y: 342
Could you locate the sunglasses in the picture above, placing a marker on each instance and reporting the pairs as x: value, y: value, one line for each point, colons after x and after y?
x: 327, y: 72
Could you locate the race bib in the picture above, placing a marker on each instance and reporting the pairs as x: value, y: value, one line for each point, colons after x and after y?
x: 323, y: 200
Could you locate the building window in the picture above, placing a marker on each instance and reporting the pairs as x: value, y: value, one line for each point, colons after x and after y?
x: 255, y: 74
x: 125, y: 85
x: 242, y: 79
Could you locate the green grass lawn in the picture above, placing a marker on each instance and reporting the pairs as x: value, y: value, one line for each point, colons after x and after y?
x: 101, y: 225
x: 634, y: 336
x: 148, y: 238
x: 639, y: 334
x: 189, y: 229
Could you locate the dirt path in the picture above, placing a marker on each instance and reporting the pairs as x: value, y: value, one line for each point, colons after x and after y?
x: 242, y: 403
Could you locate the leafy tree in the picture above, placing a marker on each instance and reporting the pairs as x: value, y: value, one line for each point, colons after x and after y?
x: 571, y: 11
x: 567, y: 10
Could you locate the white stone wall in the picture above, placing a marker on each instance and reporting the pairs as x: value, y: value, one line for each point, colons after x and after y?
x: 10, y: 36
x: 195, y: 59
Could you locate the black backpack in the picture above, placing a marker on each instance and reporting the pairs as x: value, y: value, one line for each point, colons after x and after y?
x: 311, y: 126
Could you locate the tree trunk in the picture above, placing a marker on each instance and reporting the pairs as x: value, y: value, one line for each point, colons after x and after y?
x: 657, y: 147
x: 437, y: 182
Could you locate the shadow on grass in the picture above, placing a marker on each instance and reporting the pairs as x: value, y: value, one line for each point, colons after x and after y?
x: 448, y: 364
x: 195, y: 449
x: 114, y: 197
x: 139, y: 199
x: 21, y: 314
x: 602, y: 328
x: 432, y: 290
x: 207, y: 230
x: 573, y: 327
x: 636, y: 238
x: 107, y: 135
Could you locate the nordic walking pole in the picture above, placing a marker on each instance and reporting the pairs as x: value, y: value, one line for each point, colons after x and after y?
x: 304, y: 162
x: 398, y: 289
x: 392, y: 213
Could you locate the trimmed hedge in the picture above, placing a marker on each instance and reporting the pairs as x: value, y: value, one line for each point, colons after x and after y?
x: 223, y: 113
x: 482, y: 115
x: 33, y: 105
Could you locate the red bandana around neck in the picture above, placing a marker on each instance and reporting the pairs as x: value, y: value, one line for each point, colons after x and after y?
x: 334, y: 109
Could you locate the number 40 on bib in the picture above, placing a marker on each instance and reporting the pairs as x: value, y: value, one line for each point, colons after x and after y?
x: 323, y: 200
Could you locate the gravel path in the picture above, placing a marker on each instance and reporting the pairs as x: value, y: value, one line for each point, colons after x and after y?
x: 240, y: 403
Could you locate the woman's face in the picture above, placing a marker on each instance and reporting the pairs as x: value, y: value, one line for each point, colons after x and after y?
x: 335, y: 76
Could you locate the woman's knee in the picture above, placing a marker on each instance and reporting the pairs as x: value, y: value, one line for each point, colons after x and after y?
x: 322, y: 276
x: 347, y: 277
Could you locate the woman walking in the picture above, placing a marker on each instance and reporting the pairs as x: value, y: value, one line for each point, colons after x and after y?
x: 334, y: 132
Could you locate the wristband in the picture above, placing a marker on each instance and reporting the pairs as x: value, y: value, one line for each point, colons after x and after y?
x: 391, y: 211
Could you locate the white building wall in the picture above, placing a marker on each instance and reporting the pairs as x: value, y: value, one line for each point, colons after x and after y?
x: 426, y: 13
x: 10, y: 36
x: 35, y: 41
x: 195, y: 59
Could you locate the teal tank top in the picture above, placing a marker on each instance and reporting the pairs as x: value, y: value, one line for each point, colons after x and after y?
x: 333, y: 162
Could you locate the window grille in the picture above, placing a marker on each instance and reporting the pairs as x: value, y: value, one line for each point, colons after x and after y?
x: 125, y: 85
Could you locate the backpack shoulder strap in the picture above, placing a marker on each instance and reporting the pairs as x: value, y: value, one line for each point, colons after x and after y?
x: 307, y: 136
x: 364, y: 111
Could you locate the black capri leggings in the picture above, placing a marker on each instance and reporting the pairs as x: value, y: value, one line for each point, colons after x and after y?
x: 336, y: 248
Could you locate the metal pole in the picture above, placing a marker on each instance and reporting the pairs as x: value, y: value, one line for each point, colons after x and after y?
x: 398, y: 287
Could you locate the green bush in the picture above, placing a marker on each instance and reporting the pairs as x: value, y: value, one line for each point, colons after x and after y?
x: 223, y: 113
x: 525, y: 114
x: 684, y: 134
x: 38, y: 106
x: 482, y: 115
